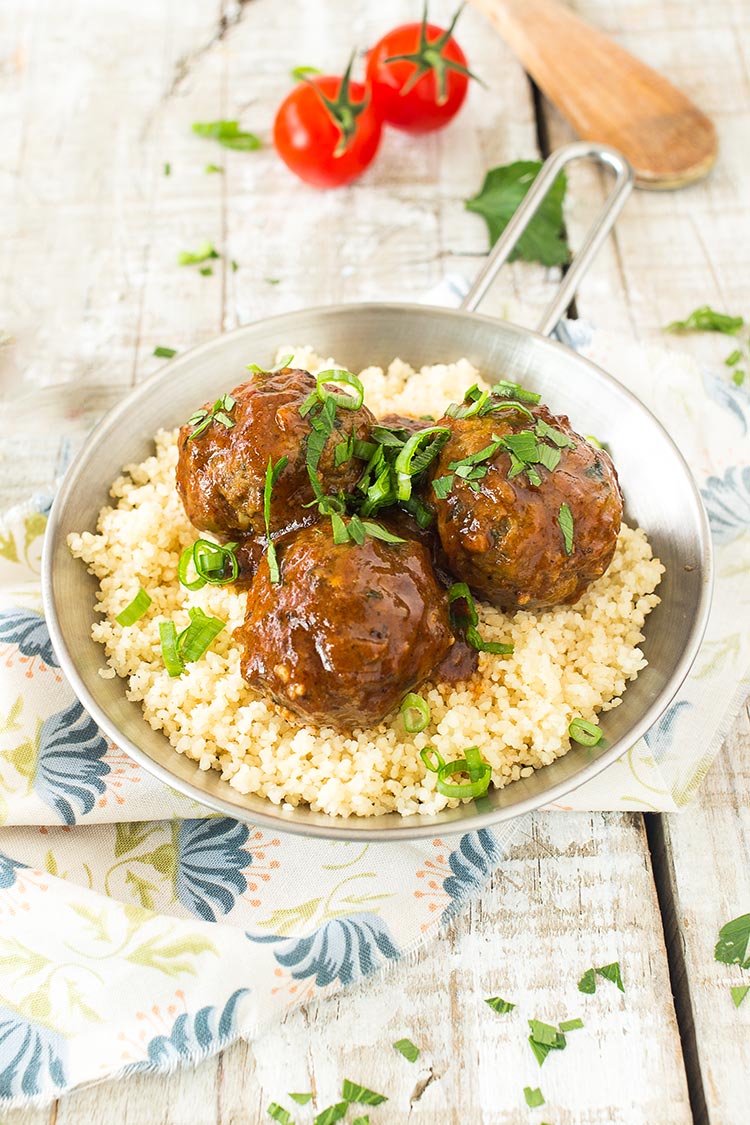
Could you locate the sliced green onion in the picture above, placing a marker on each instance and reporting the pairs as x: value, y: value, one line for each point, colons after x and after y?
x: 186, y: 559
x: 565, y: 521
x: 135, y: 611
x: 544, y: 1033
x: 169, y: 650
x: 571, y: 1025
x: 341, y: 398
x: 595, y: 442
x: 430, y: 756
x: 407, y: 1049
x: 352, y: 1092
x: 210, y: 561
x: 584, y: 732
x: 469, y: 621
x: 544, y: 430
x: 505, y: 389
x: 278, y: 1113
x: 421, y: 448
x: 499, y: 1005
x: 419, y: 511
x: 199, y: 635
x: 273, y: 472
x: 377, y: 531
x: 475, y: 762
x: 331, y: 1114
x: 164, y: 353
x: 442, y: 486
x: 340, y: 533
x: 461, y: 790
x: 389, y: 436
x: 416, y: 713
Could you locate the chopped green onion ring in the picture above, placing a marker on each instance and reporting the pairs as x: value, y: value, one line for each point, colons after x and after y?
x: 135, y: 611
x: 199, y: 635
x: 429, y: 756
x: 416, y: 713
x: 584, y: 732
x: 475, y: 788
x: 341, y: 398
x: 210, y: 561
x: 421, y: 448
x: 169, y: 650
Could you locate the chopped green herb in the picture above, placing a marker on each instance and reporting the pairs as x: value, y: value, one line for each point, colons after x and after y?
x: 360, y: 1094
x: 219, y: 412
x: 418, y: 452
x: 170, y: 654
x: 210, y: 561
x: 505, y: 389
x: 301, y: 72
x: 301, y: 1099
x: 205, y: 271
x: 500, y: 1006
x: 738, y: 377
x: 280, y: 366
x: 595, y: 442
x: 212, y: 168
x: 734, y: 358
x: 540, y: 1050
x: 278, y: 1113
x: 441, y: 486
x: 273, y: 472
x: 164, y: 353
x: 167, y: 169
x: 479, y: 771
x: 571, y: 1025
x: 135, y: 611
x: 544, y: 430
x: 228, y: 134
x: 565, y: 521
x: 612, y: 973
x: 584, y: 732
x: 706, y: 319
x: 407, y: 1049
x: 587, y: 983
x: 199, y: 635
x: 204, y: 253
x: 534, y: 1098
x: 415, y: 712
x: 235, y: 266
x: 337, y: 375
x: 468, y: 620
x: 363, y: 1120
x: 331, y: 1114
x: 503, y: 191
x: 731, y: 947
x: 272, y: 280
x: 739, y: 992
x: 544, y: 1033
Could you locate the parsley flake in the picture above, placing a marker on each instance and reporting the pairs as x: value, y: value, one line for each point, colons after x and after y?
x: 205, y: 252
x: 500, y: 1006
x: 534, y: 1098
x: 219, y: 412
x: 502, y: 192
x: 731, y: 947
x: 228, y: 134
x: 587, y: 983
x: 612, y: 973
x: 407, y: 1049
x: 706, y: 319
x: 739, y: 992
x: 360, y: 1094
x: 164, y: 353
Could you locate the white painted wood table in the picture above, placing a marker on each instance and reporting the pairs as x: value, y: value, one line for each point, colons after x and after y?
x: 94, y: 100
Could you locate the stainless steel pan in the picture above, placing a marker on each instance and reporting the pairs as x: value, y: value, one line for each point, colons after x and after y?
x: 659, y: 490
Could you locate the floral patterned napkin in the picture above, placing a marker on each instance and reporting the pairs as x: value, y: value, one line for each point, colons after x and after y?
x: 176, y: 930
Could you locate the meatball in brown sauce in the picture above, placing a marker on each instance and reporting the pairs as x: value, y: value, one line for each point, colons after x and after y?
x: 348, y: 630
x: 504, y: 536
x: 221, y: 472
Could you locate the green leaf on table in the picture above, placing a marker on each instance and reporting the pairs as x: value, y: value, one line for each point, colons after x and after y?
x: 706, y: 319
x: 739, y: 992
x: 213, y: 168
x: 534, y: 1098
x: 612, y: 973
x: 167, y: 169
x: 407, y: 1049
x: 502, y: 192
x: 571, y: 1025
x: 278, y: 1113
x: 164, y: 353
x: 499, y: 1005
x: 731, y: 947
x: 360, y: 1094
x: 544, y: 1033
x: 228, y: 134
x: 301, y: 1099
x: 332, y: 1113
x: 204, y: 253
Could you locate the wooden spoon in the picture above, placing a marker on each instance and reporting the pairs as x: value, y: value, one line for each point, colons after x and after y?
x: 606, y: 94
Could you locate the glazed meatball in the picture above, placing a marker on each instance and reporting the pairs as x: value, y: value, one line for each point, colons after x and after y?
x: 347, y: 631
x: 221, y: 472
x: 503, y: 536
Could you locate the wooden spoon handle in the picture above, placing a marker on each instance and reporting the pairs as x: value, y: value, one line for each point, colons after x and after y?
x: 606, y: 94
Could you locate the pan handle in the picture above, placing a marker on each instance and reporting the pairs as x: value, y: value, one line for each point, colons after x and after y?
x: 598, y: 230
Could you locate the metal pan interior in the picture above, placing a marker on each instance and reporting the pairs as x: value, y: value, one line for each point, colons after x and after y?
x: 659, y: 491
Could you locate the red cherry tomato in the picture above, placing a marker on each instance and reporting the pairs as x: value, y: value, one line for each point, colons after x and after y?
x: 418, y: 76
x: 327, y: 131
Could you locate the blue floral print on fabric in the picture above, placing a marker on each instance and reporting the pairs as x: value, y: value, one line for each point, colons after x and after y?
x: 69, y: 767
x: 476, y: 856
x: 32, y: 1057
x: 344, y: 949
x: 8, y: 869
x: 733, y: 399
x: 727, y: 501
x: 29, y: 631
x: 660, y: 736
x: 210, y: 863
x: 193, y: 1035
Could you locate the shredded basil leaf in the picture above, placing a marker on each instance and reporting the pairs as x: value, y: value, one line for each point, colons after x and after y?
x: 352, y: 1092
x: 706, y: 319
x: 407, y: 1049
x: 571, y: 1025
x: 228, y: 134
x: 301, y: 1099
x: 278, y: 1113
x: 587, y: 983
x: 331, y: 1114
x: 135, y: 610
x: 500, y: 1006
x: 205, y: 252
x: 612, y: 973
x: 565, y: 522
x: 739, y: 992
x: 164, y: 353
x: 731, y: 948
